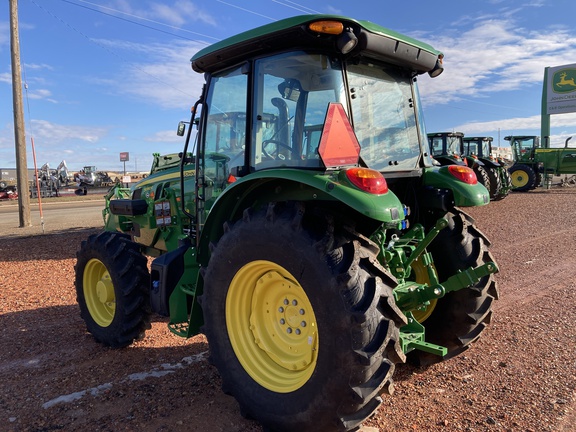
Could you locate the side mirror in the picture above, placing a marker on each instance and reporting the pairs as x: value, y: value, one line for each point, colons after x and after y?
x: 181, y: 128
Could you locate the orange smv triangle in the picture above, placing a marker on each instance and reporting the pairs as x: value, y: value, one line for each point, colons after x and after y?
x: 338, y: 144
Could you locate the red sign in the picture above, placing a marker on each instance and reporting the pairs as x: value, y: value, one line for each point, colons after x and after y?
x: 124, y: 157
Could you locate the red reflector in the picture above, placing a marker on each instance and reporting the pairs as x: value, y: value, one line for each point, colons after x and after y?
x: 368, y: 180
x: 462, y: 173
x: 231, y: 179
x: 338, y: 143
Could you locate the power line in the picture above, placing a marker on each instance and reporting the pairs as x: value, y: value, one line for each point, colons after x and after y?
x: 296, y: 6
x: 246, y: 10
x: 140, y: 18
x: 91, y: 40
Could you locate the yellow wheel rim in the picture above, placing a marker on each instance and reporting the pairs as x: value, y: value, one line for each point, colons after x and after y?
x: 519, y: 178
x: 99, y: 292
x: 272, y: 327
x: 421, y: 276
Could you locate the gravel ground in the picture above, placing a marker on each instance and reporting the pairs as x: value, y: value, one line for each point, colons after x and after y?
x: 520, y: 376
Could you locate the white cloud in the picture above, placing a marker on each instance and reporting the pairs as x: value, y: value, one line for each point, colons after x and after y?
x: 166, y: 136
x: 41, y: 94
x: 495, y: 56
x: 177, y: 13
x: 52, y: 133
x: 164, y: 77
x: 564, y: 125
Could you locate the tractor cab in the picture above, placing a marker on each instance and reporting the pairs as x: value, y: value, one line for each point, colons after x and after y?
x: 446, y: 147
x: 281, y: 126
x: 523, y: 147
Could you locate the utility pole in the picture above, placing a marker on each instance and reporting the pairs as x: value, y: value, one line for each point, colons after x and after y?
x: 19, y: 135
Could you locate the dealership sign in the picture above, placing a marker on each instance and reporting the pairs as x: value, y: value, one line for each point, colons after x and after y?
x: 560, y: 89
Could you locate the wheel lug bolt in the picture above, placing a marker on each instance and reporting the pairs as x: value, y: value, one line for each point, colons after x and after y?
x: 301, y: 311
x: 289, y: 330
x: 282, y: 321
x: 294, y: 302
x: 286, y: 302
x: 298, y: 331
x: 281, y: 309
x: 303, y: 324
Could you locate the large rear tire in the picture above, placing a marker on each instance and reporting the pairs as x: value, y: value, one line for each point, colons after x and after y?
x: 506, y: 182
x: 459, y: 318
x: 301, y: 320
x: 112, y: 289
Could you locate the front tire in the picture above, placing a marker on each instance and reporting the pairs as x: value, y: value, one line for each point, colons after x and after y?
x: 301, y: 320
x: 522, y: 177
x: 459, y: 318
x: 112, y: 288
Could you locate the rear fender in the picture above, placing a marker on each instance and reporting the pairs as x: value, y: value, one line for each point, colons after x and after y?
x: 464, y: 194
x: 267, y: 186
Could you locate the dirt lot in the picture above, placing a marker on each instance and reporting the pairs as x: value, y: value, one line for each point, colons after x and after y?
x: 521, y: 376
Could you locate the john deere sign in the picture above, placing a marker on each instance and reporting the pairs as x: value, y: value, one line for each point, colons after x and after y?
x: 560, y: 89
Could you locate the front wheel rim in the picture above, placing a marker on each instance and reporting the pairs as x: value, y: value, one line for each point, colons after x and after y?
x: 99, y: 293
x: 519, y: 178
x: 272, y: 326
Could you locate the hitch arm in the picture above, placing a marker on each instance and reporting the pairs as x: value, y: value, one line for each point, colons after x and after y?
x: 411, y: 295
x: 422, y: 245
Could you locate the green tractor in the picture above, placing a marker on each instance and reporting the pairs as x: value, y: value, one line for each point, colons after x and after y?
x: 305, y: 230
x: 447, y: 148
x: 525, y: 172
x: 480, y: 149
x: 533, y: 163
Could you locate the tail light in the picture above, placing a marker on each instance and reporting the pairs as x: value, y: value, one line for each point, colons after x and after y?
x: 462, y: 173
x: 368, y: 180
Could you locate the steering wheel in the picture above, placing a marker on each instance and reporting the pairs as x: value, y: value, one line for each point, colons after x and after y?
x: 278, y: 143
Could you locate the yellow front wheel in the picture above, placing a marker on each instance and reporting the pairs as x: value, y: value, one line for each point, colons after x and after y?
x: 522, y: 177
x: 112, y: 288
x: 99, y: 292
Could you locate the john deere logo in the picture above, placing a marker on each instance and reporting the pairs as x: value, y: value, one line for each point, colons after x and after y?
x: 563, y: 81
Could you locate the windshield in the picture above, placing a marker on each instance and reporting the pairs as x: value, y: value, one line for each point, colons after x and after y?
x: 453, y: 145
x: 384, y: 117
x: 291, y: 94
x: 470, y: 148
x: 486, y: 148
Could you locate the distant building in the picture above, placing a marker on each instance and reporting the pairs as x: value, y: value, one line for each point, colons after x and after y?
x: 503, y: 152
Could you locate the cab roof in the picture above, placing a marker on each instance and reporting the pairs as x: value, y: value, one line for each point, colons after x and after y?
x: 374, y: 42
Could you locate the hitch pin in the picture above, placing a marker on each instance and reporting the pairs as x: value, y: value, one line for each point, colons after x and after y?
x: 393, y: 239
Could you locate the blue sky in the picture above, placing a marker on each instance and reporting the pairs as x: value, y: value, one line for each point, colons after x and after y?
x: 111, y: 76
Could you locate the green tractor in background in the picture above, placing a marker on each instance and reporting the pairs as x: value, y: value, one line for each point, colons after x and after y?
x: 480, y: 149
x: 305, y: 230
x: 447, y: 148
x: 533, y: 163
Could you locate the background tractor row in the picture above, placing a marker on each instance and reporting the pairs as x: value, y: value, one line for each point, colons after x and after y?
x: 304, y: 228
x: 453, y: 148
